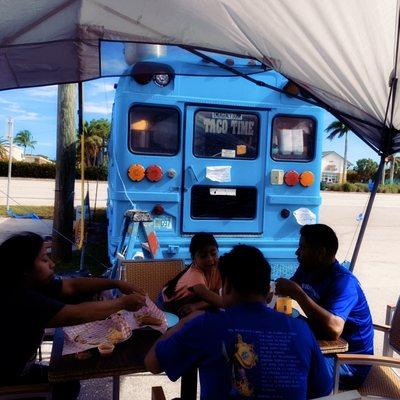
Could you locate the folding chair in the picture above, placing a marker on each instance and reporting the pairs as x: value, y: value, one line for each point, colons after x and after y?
x: 151, y: 275
x: 381, y: 381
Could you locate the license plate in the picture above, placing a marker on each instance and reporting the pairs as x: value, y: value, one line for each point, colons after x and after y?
x: 163, y: 223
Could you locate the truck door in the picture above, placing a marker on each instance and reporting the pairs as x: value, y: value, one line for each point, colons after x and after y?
x: 224, y: 173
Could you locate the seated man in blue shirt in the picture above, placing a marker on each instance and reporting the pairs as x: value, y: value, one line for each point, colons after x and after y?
x: 332, y: 299
x: 247, y: 351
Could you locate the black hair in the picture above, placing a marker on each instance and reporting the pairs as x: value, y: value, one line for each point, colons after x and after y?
x: 246, y: 269
x: 320, y: 235
x: 17, y: 256
x: 199, y: 241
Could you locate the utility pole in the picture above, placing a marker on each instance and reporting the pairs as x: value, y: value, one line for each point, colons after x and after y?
x: 65, y: 174
x: 10, y: 130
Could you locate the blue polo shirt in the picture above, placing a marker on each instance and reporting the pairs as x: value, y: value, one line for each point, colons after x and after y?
x: 248, y: 352
x: 340, y: 293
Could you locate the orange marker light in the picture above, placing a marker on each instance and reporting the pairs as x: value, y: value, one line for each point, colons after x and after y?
x: 307, y: 178
x: 291, y: 178
x: 136, y: 172
x: 154, y: 173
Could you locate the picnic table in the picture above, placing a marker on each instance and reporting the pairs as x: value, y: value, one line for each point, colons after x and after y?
x: 127, y: 358
x: 333, y: 346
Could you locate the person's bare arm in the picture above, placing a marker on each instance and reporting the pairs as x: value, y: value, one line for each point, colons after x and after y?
x: 151, y: 362
x: 321, y: 320
x: 95, y: 310
x: 78, y: 286
x: 208, y: 295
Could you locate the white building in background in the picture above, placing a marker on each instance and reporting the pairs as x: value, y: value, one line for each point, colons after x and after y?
x: 332, y: 167
x: 16, y: 152
x: 37, y: 159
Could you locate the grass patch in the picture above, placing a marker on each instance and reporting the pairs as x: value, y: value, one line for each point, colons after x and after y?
x: 45, y: 212
x: 95, y: 257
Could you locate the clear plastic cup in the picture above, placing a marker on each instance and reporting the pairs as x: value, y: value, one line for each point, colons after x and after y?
x: 284, y: 304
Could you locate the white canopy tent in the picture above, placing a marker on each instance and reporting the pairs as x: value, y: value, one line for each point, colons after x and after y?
x: 344, y: 53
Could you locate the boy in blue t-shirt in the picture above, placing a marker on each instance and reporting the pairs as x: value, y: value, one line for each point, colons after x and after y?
x: 247, y: 351
x: 332, y: 299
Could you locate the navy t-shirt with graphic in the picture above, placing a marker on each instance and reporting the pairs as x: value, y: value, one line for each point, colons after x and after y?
x: 248, y: 352
x: 340, y: 293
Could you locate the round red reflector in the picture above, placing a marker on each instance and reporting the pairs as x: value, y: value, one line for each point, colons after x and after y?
x: 136, y: 172
x: 154, y: 173
x: 291, y: 178
x: 307, y: 178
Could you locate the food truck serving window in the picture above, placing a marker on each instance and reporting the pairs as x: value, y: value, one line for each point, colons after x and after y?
x: 154, y: 130
x: 293, y: 138
x: 210, y: 202
x: 225, y: 134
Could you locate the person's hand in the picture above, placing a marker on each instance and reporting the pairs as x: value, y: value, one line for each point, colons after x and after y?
x: 286, y: 287
x: 133, y: 302
x: 129, y: 288
x: 187, y: 309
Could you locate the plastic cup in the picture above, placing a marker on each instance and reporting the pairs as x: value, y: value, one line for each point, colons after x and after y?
x: 284, y: 304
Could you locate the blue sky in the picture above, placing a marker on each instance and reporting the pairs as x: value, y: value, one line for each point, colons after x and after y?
x: 35, y: 109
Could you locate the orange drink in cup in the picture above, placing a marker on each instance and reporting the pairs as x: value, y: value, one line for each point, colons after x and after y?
x: 284, y: 304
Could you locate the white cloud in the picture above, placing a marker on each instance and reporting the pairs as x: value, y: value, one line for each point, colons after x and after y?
x: 43, y: 92
x: 97, y: 108
x: 15, y: 111
x: 26, y: 116
x: 97, y: 87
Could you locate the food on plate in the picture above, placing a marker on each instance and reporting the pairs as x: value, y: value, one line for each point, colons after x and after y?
x: 80, y: 339
x: 115, y: 336
x: 105, y: 349
x: 148, y: 319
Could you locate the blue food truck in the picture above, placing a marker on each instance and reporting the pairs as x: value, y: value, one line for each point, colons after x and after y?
x: 201, y: 149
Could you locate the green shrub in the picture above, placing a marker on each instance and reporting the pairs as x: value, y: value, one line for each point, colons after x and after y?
x: 348, y: 187
x: 22, y: 169
x: 323, y: 186
x: 361, y: 187
x: 337, y: 187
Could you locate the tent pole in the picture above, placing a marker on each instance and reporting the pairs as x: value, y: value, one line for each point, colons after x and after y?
x: 367, y: 213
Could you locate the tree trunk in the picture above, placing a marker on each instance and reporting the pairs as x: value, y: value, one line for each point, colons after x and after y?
x: 65, y: 174
x: 392, y: 165
x: 344, y: 171
x: 383, y: 174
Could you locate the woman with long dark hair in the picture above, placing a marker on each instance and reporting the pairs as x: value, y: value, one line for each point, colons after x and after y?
x: 32, y: 299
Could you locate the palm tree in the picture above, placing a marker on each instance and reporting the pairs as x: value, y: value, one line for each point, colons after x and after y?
x: 3, y: 149
x: 337, y: 128
x: 24, y: 139
x: 96, y: 135
x: 394, y: 161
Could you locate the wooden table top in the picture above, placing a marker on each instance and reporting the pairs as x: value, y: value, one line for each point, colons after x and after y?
x: 127, y: 358
x: 333, y: 346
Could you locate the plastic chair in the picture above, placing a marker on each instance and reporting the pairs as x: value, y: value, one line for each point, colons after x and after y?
x: 37, y: 391
x: 381, y: 381
x: 151, y: 275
